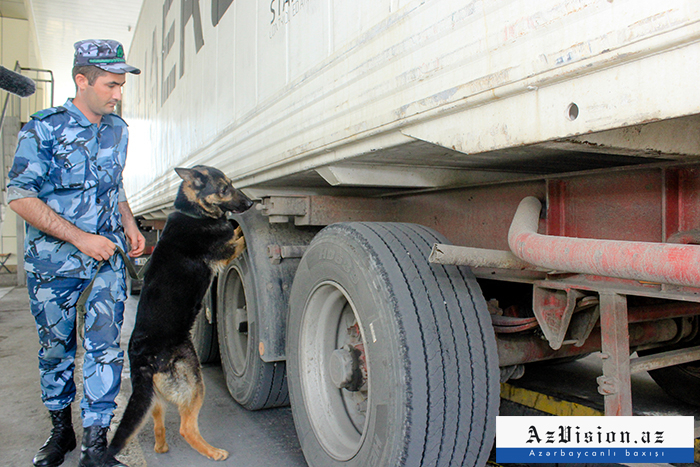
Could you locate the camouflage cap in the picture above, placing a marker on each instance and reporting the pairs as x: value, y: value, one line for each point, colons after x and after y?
x: 105, y: 54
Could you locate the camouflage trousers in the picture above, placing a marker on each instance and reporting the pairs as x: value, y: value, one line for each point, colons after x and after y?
x: 52, y: 301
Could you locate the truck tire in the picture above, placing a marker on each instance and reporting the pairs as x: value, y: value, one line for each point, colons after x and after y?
x: 204, y: 330
x: 391, y: 360
x: 253, y: 383
x: 679, y: 381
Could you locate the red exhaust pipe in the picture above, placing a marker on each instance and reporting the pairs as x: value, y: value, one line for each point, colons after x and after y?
x: 643, y: 261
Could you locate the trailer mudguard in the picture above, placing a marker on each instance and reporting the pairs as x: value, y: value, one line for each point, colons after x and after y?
x: 272, y: 276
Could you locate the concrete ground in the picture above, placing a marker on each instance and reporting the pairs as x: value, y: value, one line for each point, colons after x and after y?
x: 253, y: 439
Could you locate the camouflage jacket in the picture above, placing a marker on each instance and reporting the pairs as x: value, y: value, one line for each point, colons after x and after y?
x: 75, y: 167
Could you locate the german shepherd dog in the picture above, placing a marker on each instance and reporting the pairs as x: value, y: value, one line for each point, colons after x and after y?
x: 197, y: 241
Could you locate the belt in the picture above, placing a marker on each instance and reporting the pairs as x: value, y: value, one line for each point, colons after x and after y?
x: 80, y: 305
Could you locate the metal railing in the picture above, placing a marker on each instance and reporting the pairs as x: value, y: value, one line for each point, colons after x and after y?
x: 15, y: 112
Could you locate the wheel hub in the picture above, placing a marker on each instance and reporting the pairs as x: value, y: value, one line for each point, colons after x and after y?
x: 344, y: 368
x: 335, y: 370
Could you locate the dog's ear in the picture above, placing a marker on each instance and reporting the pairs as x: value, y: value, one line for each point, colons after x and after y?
x: 185, y: 174
x: 192, y: 176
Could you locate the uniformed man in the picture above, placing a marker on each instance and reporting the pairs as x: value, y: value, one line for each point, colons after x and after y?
x: 66, y: 182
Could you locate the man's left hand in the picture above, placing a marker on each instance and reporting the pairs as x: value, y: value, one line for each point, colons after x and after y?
x: 137, y: 243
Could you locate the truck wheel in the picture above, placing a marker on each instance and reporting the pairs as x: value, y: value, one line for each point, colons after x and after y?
x: 204, y: 330
x: 253, y: 383
x: 391, y: 360
x: 679, y: 381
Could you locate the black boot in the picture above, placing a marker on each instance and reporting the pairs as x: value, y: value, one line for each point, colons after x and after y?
x: 93, y: 451
x: 61, y: 441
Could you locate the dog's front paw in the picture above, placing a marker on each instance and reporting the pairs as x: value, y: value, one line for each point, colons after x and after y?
x: 240, y: 246
x: 237, y: 242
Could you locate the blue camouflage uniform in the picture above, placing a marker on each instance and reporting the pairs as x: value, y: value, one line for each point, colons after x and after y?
x: 75, y: 167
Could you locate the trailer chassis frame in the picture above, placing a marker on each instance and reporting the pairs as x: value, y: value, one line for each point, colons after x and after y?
x: 591, y: 279
x: 581, y: 284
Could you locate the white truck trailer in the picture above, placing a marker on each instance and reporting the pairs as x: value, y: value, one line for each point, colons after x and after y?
x: 554, y: 142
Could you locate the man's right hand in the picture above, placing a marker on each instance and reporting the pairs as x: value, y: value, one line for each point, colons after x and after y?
x: 96, y: 246
x: 38, y: 214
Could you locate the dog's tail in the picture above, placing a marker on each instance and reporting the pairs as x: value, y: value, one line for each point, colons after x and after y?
x: 138, y: 407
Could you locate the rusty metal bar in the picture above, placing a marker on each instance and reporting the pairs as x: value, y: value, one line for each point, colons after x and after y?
x: 477, y: 257
x: 665, y: 359
x: 663, y: 311
x: 615, y: 384
x: 516, y: 349
x: 642, y: 261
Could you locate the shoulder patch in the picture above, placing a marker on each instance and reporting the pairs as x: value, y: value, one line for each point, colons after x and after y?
x: 42, y: 114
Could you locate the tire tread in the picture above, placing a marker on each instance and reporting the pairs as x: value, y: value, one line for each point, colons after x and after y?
x: 438, y: 295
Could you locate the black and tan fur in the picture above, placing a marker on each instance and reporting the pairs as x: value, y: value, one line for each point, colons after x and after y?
x: 197, y: 240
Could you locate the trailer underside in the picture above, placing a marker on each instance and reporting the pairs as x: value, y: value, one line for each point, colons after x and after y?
x: 624, y: 190
x: 636, y: 186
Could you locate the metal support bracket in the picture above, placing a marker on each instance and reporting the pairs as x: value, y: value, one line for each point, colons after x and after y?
x: 279, y: 209
x: 326, y: 210
x: 554, y: 310
x: 278, y: 252
x: 615, y: 384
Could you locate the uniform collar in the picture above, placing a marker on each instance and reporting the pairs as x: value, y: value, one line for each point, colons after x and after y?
x: 81, y: 118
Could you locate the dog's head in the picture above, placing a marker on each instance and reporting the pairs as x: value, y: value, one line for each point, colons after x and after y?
x: 206, y: 191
